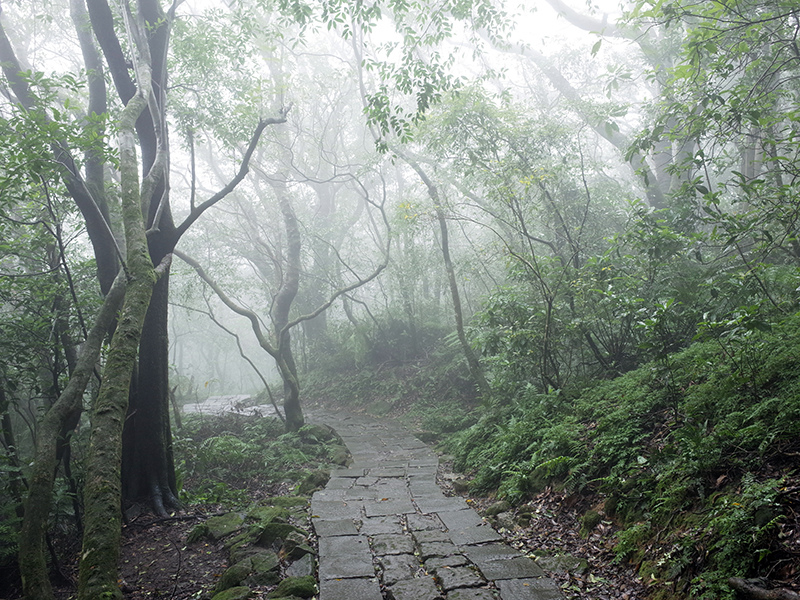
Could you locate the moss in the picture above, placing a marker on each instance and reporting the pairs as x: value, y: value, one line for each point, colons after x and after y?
x: 234, y: 593
x: 268, y: 514
x: 197, y: 533
x: 219, y: 527
x: 313, y: 481
x: 589, y: 521
x: 288, y: 501
x: 302, y: 587
x: 273, y: 532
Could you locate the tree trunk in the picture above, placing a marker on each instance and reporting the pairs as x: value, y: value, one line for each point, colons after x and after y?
x: 103, y: 490
x: 475, y: 368
x: 280, y: 311
x: 32, y: 552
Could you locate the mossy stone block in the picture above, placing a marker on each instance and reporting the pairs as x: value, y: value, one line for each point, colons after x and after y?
x: 219, y: 527
x: 497, y: 508
x: 265, y: 569
x: 314, y: 480
x: 234, y: 575
x: 267, y: 514
x: 288, y: 501
x: 339, y: 455
x: 197, y: 533
x: 302, y: 587
x: 311, y: 434
x: 234, y: 593
x: 273, y: 532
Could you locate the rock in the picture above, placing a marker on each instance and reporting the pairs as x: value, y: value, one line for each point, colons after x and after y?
x: 302, y: 587
x: 302, y: 567
x: 429, y: 437
x: 267, y: 514
x: 497, y: 508
x: 461, y: 485
x: 234, y: 575
x: 313, y: 481
x: 274, y: 532
x: 234, y: 593
x: 288, y: 501
x: 219, y: 527
x: 197, y: 533
x: 339, y: 455
x: 506, y: 520
x: 589, y: 521
x: 316, y: 434
x: 295, y: 546
x: 265, y: 569
x: 260, y: 568
x: 379, y: 408
x: 563, y: 563
x: 524, y: 519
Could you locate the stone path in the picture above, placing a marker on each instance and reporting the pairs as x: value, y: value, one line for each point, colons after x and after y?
x: 384, y: 520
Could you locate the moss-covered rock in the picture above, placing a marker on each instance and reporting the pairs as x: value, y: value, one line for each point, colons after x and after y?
x: 312, y: 434
x: 234, y: 575
x: 197, y: 533
x: 302, y: 587
x: 497, y: 508
x: 589, y: 521
x: 234, y: 593
x: 267, y: 514
x: 295, y: 546
x: 277, y: 532
x: 260, y: 568
x: 219, y: 527
x: 339, y: 455
x: 288, y: 501
x: 265, y: 569
x: 313, y: 481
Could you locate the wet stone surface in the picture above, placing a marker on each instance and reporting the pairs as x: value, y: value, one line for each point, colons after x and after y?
x: 386, y: 530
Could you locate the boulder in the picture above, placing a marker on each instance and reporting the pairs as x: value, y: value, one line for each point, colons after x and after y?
x: 234, y: 593
x: 497, y: 508
x: 219, y: 527
x: 302, y: 587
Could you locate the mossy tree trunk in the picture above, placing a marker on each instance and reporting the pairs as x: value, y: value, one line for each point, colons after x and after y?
x: 32, y: 551
x: 102, y: 491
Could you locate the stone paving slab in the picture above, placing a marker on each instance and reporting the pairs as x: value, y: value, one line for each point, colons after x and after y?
x: 345, y: 557
x: 512, y: 568
x: 383, y: 507
x: 430, y: 535
x: 472, y: 594
x: 397, y: 567
x: 441, y: 504
x: 339, y: 483
x: 451, y: 578
x: 325, y: 528
x: 423, y: 588
x: 350, y: 589
x: 333, y: 509
x: 529, y: 589
x: 387, y: 472
x: 392, y: 543
x: 378, y: 525
x: 418, y: 522
x: 466, y: 527
x: 436, y: 563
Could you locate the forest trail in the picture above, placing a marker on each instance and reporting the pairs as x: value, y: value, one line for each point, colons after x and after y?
x: 386, y: 509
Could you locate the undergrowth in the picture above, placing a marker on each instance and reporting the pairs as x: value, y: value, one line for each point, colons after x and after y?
x: 221, y: 459
x: 701, y: 473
